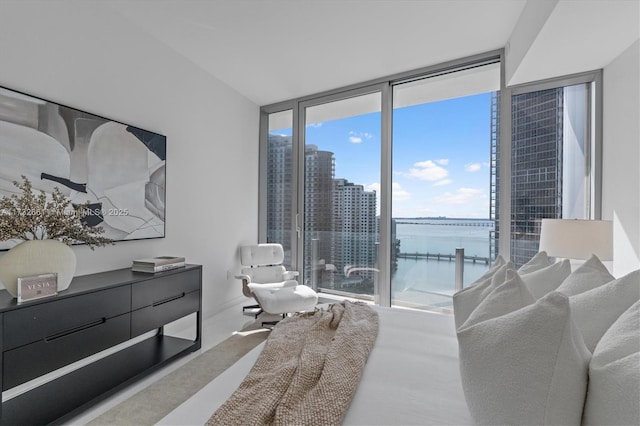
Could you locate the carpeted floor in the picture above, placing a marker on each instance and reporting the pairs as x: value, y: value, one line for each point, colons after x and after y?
x: 156, y: 401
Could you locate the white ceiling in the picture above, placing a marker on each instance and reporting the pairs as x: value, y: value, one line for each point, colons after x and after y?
x: 275, y: 50
x: 579, y: 36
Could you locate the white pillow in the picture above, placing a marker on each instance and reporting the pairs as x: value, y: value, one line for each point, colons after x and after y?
x: 492, y: 270
x: 539, y: 261
x: 507, y: 297
x: 526, y: 367
x: 589, y: 275
x: 613, y: 396
x: 467, y: 299
x: 542, y: 281
x: 595, y: 310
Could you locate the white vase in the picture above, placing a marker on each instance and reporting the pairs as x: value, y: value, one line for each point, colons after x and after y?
x: 35, y: 257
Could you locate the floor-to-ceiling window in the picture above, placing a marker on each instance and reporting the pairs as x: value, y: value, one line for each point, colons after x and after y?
x: 441, y: 183
x: 341, y: 182
x: 552, y: 159
x: 280, y: 183
x: 372, y: 188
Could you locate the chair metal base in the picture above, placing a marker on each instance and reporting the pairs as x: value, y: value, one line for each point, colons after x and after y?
x: 257, y: 314
x: 273, y: 323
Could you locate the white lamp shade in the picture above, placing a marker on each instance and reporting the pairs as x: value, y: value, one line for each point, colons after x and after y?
x: 577, y: 239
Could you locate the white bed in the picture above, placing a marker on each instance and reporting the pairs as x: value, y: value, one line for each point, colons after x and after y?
x: 411, y: 377
x: 521, y: 359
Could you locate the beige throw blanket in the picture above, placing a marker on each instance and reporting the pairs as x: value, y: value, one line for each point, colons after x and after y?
x: 308, y: 370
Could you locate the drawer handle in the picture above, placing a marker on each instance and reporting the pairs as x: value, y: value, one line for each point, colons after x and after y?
x: 169, y: 299
x: 75, y: 330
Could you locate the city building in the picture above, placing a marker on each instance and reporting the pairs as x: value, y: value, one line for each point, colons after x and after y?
x: 536, y: 167
x: 279, y: 188
x: 319, y: 214
x: 340, y: 222
x: 355, y: 234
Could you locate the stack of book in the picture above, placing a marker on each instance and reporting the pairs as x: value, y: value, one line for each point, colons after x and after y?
x: 157, y: 264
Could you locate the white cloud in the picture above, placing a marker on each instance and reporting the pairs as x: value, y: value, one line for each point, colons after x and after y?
x: 399, y: 193
x: 427, y: 170
x: 443, y: 182
x: 315, y: 125
x: 461, y: 196
x: 473, y: 167
x: 443, y: 161
x: 358, y: 137
x: 373, y: 187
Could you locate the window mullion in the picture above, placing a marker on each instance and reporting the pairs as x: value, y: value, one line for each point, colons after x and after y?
x: 382, y: 287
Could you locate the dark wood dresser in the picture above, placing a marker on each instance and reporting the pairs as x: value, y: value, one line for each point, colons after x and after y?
x: 95, y: 313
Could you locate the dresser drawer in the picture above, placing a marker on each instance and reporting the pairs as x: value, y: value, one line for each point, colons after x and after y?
x: 156, y: 290
x: 58, y: 316
x: 161, y: 313
x: 30, y: 361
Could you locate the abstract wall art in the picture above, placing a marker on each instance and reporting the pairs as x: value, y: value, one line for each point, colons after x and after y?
x: 119, y: 169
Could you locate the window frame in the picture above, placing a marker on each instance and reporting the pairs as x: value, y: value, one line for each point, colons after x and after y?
x: 594, y: 155
x: 382, y: 290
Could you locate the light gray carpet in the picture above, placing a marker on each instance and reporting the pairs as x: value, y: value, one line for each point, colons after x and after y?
x: 153, y: 403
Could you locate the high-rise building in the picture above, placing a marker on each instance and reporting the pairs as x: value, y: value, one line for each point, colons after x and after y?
x: 536, y: 167
x: 355, y: 227
x: 341, y: 228
x: 494, y: 190
x: 279, y: 192
x: 318, y: 213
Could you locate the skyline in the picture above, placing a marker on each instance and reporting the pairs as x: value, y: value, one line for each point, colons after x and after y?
x: 441, y: 153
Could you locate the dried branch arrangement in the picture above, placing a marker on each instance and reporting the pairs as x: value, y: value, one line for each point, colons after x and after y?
x: 29, y: 216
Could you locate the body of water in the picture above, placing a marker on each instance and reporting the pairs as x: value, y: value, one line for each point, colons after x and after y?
x: 416, y: 276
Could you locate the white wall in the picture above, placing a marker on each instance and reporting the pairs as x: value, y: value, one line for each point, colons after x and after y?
x: 621, y: 156
x: 562, y: 37
x: 86, y: 56
x: 531, y: 22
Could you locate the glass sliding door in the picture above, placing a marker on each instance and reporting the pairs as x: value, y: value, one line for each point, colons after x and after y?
x: 341, y: 189
x: 444, y: 128
x: 280, y: 184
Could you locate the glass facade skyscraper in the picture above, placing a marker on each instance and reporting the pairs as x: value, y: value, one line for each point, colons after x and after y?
x: 536, y: 167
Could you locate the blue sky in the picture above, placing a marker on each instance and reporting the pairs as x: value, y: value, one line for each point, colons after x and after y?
x: 441, y: 155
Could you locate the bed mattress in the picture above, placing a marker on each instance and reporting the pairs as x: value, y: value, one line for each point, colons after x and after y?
x: 411, y: 377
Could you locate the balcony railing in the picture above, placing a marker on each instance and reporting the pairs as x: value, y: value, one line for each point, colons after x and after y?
x: 345, y: 264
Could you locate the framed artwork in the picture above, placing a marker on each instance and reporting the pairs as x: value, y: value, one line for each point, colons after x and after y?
x: 117, y: 168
